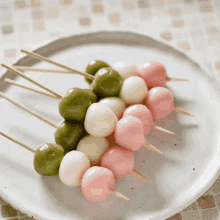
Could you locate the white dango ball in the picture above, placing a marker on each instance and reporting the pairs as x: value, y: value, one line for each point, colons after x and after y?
x: 93, y: 148
x: 116, y: 104
x: 134, y: 90
x: 73, y: 165
x: 100, y: 120
x: 125, y: 68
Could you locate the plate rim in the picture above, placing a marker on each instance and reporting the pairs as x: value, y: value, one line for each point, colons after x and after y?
x: 166, y: 213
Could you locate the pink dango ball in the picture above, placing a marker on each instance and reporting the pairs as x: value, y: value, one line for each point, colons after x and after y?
x: 160, y: 102
x: 129, y: 133
x: 98, y: 183
x: 143, y: 113
x: 120, y: 161
x: 153, y: 73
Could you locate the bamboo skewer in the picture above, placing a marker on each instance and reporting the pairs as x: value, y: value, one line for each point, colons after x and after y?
x: 28, y: 110
x: 17, y: 142
x: 182, y: 111
x: 113, y: 191
x: 118, y: 194
x: 136, y: 173
x: 151, y: 147
x: 176, y: 79
x: 31, y: 80
x: 37, y: 56
x: 29, y: 88
x: 26, y: 68
x: 157, y: 128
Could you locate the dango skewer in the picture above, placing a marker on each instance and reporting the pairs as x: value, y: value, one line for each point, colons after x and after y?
x: 153, y: 72
x: 126, y: 69
x: 49, y: 160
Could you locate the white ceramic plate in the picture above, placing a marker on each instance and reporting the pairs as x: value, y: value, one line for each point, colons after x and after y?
x: 190, y: 163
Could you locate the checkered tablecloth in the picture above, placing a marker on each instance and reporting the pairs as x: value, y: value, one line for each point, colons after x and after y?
x: 192, y: 25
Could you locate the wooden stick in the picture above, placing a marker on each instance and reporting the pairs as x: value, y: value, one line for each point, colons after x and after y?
x: 151, y: 147
x: 136, y: 173
x: 29, y: 88
x: 116, y: 193
x: 17, y: 142
x: 37, y: 56
x: 157, y: 128
x: 182, y: 111
x: 27, y: 68
x: 176, y: 79
x: 31, y: 80
x: 28, y: 110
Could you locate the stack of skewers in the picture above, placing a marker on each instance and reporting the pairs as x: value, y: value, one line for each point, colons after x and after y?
x: 102, y: 127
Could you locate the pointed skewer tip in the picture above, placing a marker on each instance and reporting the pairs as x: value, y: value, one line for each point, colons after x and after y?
x: 118, y: 194
x: 182, y: 111
x: 152, y: 148
x: 136, y: 173
x: 157, y: 128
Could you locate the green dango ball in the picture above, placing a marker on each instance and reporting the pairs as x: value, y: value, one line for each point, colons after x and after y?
x: 93, y: 66
x: 74, y: 104
x: 47, y: 159
x: 92, y: 95
x: 68, y: 134
x: 107, y: 83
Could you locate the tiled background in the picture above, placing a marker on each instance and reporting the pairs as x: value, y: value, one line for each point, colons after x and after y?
x: 192, y: 25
